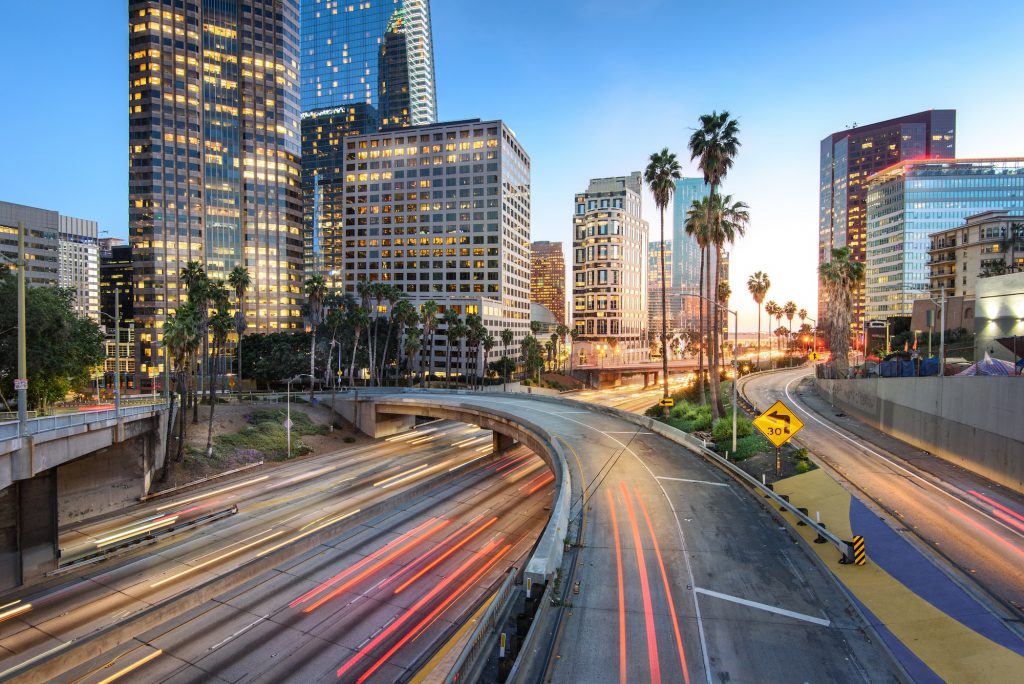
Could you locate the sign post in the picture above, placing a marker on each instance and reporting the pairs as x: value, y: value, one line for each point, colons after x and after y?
x: 779, y: 424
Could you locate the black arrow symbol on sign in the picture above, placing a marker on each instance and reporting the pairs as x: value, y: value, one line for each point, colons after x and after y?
x: 777, y: 416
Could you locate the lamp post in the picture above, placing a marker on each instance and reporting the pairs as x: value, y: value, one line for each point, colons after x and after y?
x: 735, y: 352
x: 288, y: 410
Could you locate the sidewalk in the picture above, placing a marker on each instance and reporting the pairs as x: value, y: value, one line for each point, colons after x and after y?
x: 936, y: 630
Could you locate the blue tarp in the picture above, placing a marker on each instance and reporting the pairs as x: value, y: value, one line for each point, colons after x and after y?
x: 908, y: 369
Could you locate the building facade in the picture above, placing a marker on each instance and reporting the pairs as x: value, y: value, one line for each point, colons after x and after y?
x: 79, y: 264
x: 684, y: 310
x: 214, y: 171
x: 609, y: 259
x: 547, y: 277
x: 116, y: 297
x: 987, y: 244
x: 443, y: 213
x: 42, y: 228
x: 909, y: 202
x: 654, y: 288
x: 848, y: 158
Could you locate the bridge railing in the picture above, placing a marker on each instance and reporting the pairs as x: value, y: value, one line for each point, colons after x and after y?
x: 9, y: 430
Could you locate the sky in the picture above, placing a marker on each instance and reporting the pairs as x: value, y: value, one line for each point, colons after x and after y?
x: 591, y: 88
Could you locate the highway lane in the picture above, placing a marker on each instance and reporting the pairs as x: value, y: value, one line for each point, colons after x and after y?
x: 682, y: 575
x: 369, y: 606
x: 274, y: 506
x: 964, y: 520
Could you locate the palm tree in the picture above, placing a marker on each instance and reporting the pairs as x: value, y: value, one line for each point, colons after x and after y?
x: 475, y: 333
x: 790, y: 309
x: 181, y: 337
x: 507, y: 336
x: 660, y: 175
x: 240, y: 279
x: 563, y: 331
x: 841, y: 277
x: 488, y: 345
x: 393, y: 295
x: 316, y: 290
x: 428, y: 315
x: 194, y: 277
x: 450, y: 320
x: 724, y: 292
x: 404, y: 314
x: 221, y: 325
x: 412, y: 348
x: 773, y: 310
x: 802, y: 314
x: 715, y: 144
x: 696, y: 226
x: 758, y: 285
x: 360, y: 321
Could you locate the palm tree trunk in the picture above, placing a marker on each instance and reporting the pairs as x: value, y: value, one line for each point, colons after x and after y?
x: 700, y: 328
x: 664, y: 320
x: 758, y: 334
x: 312, y: 361
x: 352, y: 365
x: 184, y: 390
x: 448, y: 366
x: 716, y: 400
x: 209, y: 425
x: 423, y: 355
x: 387, y: 343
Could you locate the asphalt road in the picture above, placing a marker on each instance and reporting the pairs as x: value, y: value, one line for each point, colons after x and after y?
x: 683, y: 576
x: 966, y: 521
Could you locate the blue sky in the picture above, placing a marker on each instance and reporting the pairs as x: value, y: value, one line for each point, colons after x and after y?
x: 591, y: 88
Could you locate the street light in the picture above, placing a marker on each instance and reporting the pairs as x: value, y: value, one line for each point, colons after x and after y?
x: 735, y: 352
x: 288, y: 404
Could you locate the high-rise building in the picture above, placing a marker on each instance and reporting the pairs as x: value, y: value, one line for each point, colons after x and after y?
x: 654, y: 288
x: 371, y: 62
x: 214, y: 157
x: 848, y: 158
x: 684, y: 310
x: 444, y: 214
x: 79, y: 262
x: 547, y: 277
x: 609, y: 257
x: 910, y: 201
x: 984, y: 245
x: 116, y: 296
x: 42, y: 228
x: 364, y: 67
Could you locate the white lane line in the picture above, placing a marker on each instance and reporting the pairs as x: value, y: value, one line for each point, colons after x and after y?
x: 682, y: 539
x: 683, y: 479
x: 566, y: 413
x: 238, y: 633
x: 764, y: 606
x: 628, y: 432
x: 911, y: 473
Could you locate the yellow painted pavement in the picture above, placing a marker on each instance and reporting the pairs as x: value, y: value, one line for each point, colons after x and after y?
x: 953, y: 651
x: 438, y: 667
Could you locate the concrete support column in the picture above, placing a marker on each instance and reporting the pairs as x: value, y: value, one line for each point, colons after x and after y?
x: 37, y: 524
x: 501, y: 442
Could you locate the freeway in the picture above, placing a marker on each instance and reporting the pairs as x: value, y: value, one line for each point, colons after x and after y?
x: 490, y: 513
x: 966, y: 522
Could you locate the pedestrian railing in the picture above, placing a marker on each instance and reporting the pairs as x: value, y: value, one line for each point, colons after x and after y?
x: 35, y: 426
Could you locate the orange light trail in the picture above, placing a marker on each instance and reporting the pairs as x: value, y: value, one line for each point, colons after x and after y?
x: 1012, y: 521
x: 515, y: 460
x: 410, y: 612
x: 373, y: 568
x: 15, y: 611
x: 645, y: 590
x: 622, y: 591
x: 369, y: 559
x: 223, y: 556
x: 998, y: 505
x: 528, y: 464
x: 433, y: 564
x: 423, y: 556
x: 134, y: 666
x: 430, y: 616
x: 668, y: 590
x: 986, y: 531
x: 539, y: 481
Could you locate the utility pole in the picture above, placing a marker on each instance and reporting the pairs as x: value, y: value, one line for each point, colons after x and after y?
x: 942, y: 337
x: 21, y: 383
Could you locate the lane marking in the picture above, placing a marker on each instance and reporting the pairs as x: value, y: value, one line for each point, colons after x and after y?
x: 763, y: 606
x: 910, y: 473
x: 238, y: 633
x: 683, y: 479
x: 653, y: 660
x: 628, y: 432
x: 622, y: 593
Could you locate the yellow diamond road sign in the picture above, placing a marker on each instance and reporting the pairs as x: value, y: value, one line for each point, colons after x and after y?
x: 778, y: 424
x: 814, y: 356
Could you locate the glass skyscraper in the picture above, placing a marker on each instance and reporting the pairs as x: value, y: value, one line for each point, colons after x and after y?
x: 214, y: 156
x: 684, y: 311
x: 911, y: 200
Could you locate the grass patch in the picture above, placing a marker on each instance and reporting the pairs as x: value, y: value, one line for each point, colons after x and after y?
x: 693, y: 417
x: 265, y: 436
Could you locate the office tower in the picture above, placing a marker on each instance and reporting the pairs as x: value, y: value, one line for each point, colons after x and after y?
x: 654, y: 288
x: 79, y: 264
x: 909, y: 202
x: 365, y: 67
x: 116, y: 295
x: 42, y: 228
x: 547, y: 277
x: 848, y: 158
x: 684, y: 310
x: 214, y: 157
x: 443, y: 213
x: 609, y: 257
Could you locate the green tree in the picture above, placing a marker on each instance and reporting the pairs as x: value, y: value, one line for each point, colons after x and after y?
x: 452, y: 326
x: 475, y: 333
x: 790, y: 308
x: 412, y: 348
x: 359, y: 321
x: 428, y: 322
x: 393, y: 296
x: 774, y: 311
x: 240, y: 280
x: 840, y: 277
x: 660, y: 175
x: 563, y: 332
x: 194, y: 277
x: 316, y: 290
x: 406, y: 317
x: 507, y: 337
x: 758, y: 286
x: 715, y: 145
x: 221, y: 325
x: 488, y: 344
x: 696, y: 226
x: 181, y: 338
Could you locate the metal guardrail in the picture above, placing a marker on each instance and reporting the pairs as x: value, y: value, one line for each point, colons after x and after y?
x: 9, y: 430
x: 477, y: 645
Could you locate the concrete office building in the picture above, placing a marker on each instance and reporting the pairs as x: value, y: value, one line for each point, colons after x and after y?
x: 214, y: 147
x: 443, y: 213
x: 79, y: 264
x: 987, y: 244
x: 849, y: 157
x: 547, y: 278
x: 42, y: 228
x: 911, y: 201
x: 610, y: 240
x: 686, y: 254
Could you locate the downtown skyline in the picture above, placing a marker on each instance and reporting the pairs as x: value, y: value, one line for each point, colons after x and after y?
x: 782, y: 119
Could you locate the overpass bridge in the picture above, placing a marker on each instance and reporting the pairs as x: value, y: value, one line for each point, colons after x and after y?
x: 601, y: 376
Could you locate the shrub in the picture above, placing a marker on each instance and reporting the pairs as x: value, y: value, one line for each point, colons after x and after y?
x: 803, y: 466
x: 722, y: 430
x: 678, y: 412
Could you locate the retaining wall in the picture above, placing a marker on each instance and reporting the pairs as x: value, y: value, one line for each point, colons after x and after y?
x: 974, y: 422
